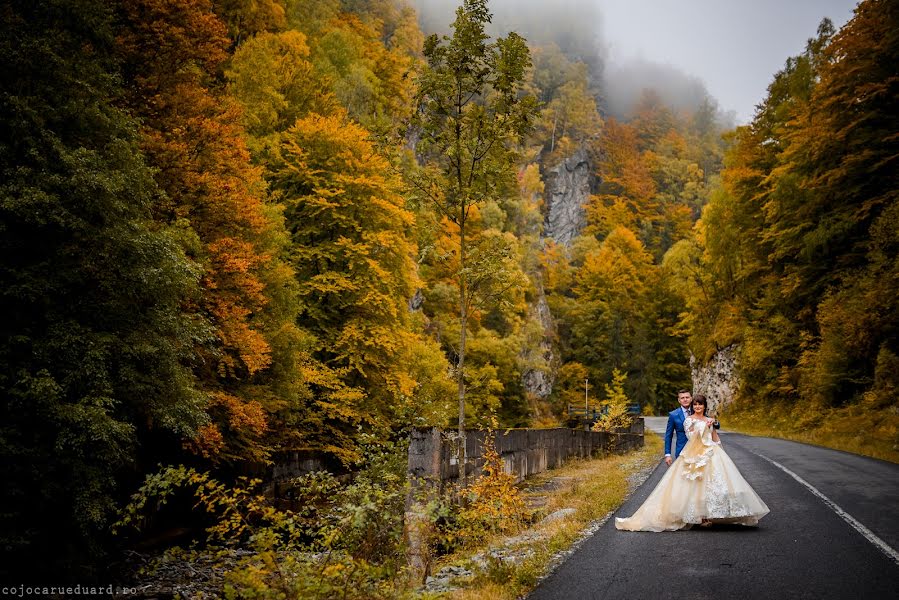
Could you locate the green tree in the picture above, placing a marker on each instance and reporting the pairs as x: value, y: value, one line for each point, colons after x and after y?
x: 246, y: 18
x: 551, y: 70
x: 472, y: 116
x: 366, y: 52
x: 707, y: 149
x: 99, y: 301
x: 570, y: 117
x: 613, y: 315
x: 274, y: 81
x: 842, y: 219
x: 569, y: 388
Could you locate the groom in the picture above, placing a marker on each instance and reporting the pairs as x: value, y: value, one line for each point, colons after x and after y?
x: 674, y: 432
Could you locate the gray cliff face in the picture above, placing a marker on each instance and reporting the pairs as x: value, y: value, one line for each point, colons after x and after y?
x: 539, y: 377
x: 718, y: 379
x: 567, y: 188
x: 416, y: 300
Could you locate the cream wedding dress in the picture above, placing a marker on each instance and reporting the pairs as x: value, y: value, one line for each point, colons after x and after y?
x: 702, y: 484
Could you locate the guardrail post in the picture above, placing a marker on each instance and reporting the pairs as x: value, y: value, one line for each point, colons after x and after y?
x: 424, y: 473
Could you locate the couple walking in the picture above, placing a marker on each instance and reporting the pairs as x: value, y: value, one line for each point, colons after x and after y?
x: 702, y: 485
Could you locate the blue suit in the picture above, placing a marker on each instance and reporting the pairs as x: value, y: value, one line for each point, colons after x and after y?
x: 674, y: 431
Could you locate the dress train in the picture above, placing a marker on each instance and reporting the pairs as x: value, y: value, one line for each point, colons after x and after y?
x: 703, y: 484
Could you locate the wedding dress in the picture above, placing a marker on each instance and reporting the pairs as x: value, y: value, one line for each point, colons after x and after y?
x: 702, y: 484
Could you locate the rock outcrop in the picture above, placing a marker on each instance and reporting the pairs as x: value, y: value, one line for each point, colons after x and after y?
x: 718, y: 379
x: 567, y: 188
x: 416, y: 300
x: 539, y: 377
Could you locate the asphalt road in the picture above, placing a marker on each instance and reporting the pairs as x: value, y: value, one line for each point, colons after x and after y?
x: 803, y: 549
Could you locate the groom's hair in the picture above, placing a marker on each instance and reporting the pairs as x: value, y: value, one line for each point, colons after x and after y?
x: 679, y: 392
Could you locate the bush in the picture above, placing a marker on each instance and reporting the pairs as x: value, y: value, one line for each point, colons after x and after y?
x: 494, y: 504
x: 342, y: 541
x: 615, y: 414
x: 490, y: 505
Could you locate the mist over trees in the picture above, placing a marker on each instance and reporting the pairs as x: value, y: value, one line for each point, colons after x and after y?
x: 575, y: 27
x: 653, y: 134
x: 625, y: 82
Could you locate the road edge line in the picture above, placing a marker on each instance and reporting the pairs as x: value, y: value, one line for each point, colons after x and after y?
x: 867, y: 533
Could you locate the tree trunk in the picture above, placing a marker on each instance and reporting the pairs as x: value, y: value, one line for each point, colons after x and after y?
x: 460, y: 366
x: 552, y: 144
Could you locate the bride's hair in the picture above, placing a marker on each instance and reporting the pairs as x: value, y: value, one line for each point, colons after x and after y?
x: 700, y: 399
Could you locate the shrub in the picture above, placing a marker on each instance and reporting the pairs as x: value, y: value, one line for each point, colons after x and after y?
x: 493, y: 504
x: 342, y: 541
x: 615, y: 413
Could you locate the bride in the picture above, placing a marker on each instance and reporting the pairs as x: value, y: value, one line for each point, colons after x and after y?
x: 702, y: 487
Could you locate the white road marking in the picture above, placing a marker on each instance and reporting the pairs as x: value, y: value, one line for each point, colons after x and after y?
x: 869, y: 535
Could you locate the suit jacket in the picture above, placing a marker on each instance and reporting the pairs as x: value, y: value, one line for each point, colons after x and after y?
x: 674, y: 432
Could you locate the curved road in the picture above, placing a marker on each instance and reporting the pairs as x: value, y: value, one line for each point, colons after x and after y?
x: 832, y: 535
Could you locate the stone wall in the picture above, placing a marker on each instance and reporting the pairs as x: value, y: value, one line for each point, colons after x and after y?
x: 433, y: 462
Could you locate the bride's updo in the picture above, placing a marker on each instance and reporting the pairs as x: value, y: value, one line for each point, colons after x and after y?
x: 700, y: 399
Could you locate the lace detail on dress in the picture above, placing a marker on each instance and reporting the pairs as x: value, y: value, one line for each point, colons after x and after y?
x: 690, y: 515
x: 717, y: 498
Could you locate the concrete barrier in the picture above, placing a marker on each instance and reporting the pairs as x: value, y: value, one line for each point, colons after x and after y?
x: 433, y: 454
x: 433, y: 461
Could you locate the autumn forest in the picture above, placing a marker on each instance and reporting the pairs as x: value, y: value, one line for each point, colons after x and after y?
x: 232, y: 229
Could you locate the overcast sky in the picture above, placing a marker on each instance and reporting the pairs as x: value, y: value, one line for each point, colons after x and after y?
x: 734, y: 46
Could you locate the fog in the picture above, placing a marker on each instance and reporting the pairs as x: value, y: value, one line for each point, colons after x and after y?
x: 572, y: 25
x: 685, y: 49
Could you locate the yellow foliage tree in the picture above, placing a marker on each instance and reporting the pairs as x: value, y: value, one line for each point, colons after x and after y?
x: 353, y: 256
x: 615, y: 413
x: 272, y: 78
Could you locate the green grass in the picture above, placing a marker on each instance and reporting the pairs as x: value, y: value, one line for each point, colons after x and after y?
x: 866, y: 431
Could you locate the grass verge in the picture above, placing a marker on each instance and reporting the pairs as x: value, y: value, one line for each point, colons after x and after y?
x: 870, y: 432
x: 591, y: 488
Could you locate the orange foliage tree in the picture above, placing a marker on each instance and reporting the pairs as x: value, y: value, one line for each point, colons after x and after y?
x: 173, y: 51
